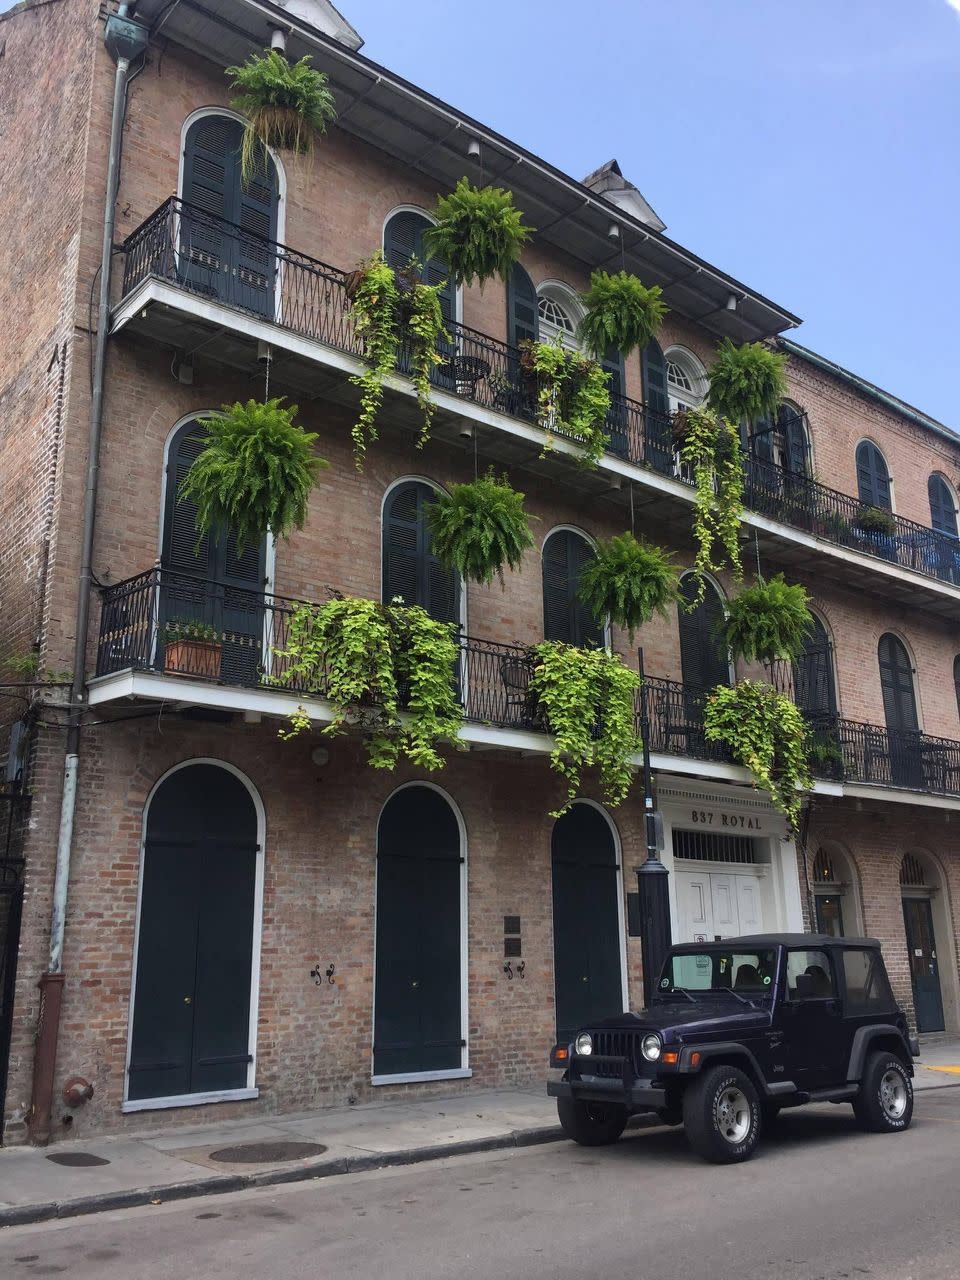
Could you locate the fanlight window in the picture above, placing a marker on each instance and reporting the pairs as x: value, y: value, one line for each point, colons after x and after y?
x: 678, y: 378
x: 553, y: 314
x: 912, y: 872
x: 824, y: 871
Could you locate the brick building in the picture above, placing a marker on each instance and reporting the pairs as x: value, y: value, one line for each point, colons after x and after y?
x: 240, y: 925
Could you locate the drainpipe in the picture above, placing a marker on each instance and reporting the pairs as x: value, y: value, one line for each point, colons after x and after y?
x: 124, y: 40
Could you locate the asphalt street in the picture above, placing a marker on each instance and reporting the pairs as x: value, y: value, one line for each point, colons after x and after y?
x: 820, y: 1201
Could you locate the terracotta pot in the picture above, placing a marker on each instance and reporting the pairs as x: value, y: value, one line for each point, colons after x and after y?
x: 193, y: 658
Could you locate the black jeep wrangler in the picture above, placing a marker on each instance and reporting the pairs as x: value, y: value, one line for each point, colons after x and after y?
x: 737, y: 1030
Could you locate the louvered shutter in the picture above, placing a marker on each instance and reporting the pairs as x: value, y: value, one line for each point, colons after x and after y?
x: 564, y: 616
x: 943, y: 513
x: 410, y: 569
x: 703, y: 663
x: 896, y: 683
x: 761, y: 440
x: 181, y: 549
x: 617, y: 418
x: 956, y: 680
x: 403, y: 240
x: 814, y: 688
x: 659, y: 437
x: 256, y: 254
x: 587, y: 632
x: 873, y: 479
x: 522, y: 315
x: 794, y: 436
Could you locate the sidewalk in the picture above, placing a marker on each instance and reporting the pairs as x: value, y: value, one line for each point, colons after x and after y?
x: 80, y: 1176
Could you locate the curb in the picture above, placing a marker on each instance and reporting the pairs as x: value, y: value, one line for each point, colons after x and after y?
x: 22, y: 1215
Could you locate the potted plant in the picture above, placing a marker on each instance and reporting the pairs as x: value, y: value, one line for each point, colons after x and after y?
x: 622, y: 313
x: 286, y: 105
x: 479, y: 528
x: 826, y: 756
x: 191, y: 648
x: 255, y: 472
x: 768, y: 620
x: 627, y: 581
x: 876, y: 520
x: 746, y: 382
x: 478, y: 233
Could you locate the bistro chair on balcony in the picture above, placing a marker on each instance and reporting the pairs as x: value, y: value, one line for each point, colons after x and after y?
x: 518, y: 703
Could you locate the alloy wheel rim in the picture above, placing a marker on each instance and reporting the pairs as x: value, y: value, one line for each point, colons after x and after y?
x: 893, y: 1094
x: 731, y: 1114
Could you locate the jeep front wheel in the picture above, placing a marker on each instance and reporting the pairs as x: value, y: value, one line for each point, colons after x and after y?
x: 721, y: 1115
x: 885, y: 1101
x: 592, y: 1124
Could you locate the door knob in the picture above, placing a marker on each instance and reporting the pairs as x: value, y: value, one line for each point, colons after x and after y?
x: 415, y: 983
x: 188, y: 1000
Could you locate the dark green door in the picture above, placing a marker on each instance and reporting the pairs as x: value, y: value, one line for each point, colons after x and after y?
x: 417, y: 1015
x: 924, y: 969
x: 191, y: 1013
x: 586, y: 920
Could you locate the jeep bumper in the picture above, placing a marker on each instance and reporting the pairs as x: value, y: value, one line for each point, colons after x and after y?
x: 611, y: 1080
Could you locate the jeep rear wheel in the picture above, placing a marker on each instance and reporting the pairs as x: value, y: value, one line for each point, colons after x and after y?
x: 721, y: 1115
x: 885, y: 1101
x: 592, y: 1124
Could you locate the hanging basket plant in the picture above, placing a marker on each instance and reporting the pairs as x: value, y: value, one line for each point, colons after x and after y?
x: 587, y: 696
x: 765, y: 732
x: 286, y: 105
x: 767, y: 621
x: 746, y: 382
x: 573, y: 396
x: 255, y: 472
x: 710, y: 446
x: 627, y: 581
x: 387, y: 669
x: 478, y: 233
x: 480, y: 528
x: 876, y: 520
x: 622, y: 313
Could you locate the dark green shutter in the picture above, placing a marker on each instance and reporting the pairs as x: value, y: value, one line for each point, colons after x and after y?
x: 814, y: 687
x: 761, y: 440
x: 522, y: 315
x: 403, y: 240
x: 943, y: 513
x: 410, y: 569
x: 564, y: 616
x: 873, y: 479
x: 617, y: 418
x: 703, y: 663
x: 796, y: 450
x: 956, y: 680
x: 180, y: 548
x: 657, y: 430
x: 896, y: 683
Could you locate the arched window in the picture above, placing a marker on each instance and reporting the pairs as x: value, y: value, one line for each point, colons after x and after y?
x: 873, y: 478
x: 896, y: 683
x: 565, y: 618
x: 217, y: 261
x: 403, y: 239
x: 912, y: 872
x: 410, y: 569
x: 703, y: 662
x: 792, y: 444
x: 835, y: 896
x: 658, y: 434
x: 559, y: 314
x: 813, y: 681
x: 522, y: 315
x: 686, y: 379
x: 943, y: 508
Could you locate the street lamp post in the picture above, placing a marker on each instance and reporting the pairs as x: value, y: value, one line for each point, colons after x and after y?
x: 652, y: 875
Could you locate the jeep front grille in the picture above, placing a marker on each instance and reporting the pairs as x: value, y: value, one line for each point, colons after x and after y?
x: 617, y: 1044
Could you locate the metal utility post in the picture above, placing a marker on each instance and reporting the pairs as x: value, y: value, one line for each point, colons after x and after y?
x: 652, y: 875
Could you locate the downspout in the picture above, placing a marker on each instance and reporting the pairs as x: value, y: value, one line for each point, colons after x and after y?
x: 124, y: 40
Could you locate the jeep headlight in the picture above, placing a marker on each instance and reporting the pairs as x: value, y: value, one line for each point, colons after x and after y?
x: 584, y: 1044
x: 650, y: 1048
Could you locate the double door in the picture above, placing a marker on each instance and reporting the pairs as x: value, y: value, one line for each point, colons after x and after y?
x: 924, y: 967
x: 717, y: 904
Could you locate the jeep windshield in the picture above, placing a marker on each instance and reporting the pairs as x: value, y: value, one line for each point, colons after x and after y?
x: 719, y: 970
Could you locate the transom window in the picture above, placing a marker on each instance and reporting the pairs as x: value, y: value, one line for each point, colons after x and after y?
x: 678, y: 378
x: 552, y: 313
x: 686, y: 380
x: 912, y: 872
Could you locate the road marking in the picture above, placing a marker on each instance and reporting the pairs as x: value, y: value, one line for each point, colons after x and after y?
x: 954, y: 1071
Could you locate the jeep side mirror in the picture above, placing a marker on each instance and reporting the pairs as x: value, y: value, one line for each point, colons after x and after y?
x: 806, y: 987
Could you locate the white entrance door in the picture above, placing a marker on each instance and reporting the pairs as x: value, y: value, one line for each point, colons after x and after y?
x: 717, y: 904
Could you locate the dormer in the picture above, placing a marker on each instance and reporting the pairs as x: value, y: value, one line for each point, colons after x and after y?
x: 609, y: 182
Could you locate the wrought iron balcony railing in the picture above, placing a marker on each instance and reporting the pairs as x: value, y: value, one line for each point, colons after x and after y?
x: 215, y: 259
x: 248, y: 632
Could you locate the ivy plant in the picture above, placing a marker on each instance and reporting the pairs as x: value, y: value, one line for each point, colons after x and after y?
x: 710, y: 446
x: 285, y: 104
x: 622, y: 313
x: 768, y: 620
x: 587, y: 696
x: 573, y: 396
x: 628, y: 580
x: 374, y: 301
x: 425, y: 329
x: 478, y: 233
x: 255, y: 472
x: 389, y: 668
x: 480, y: 528
x: 746, y: 382
x: 766, y: 733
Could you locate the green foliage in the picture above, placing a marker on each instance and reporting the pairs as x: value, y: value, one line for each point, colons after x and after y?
x: 425, y: 328
x: 711, y: 447
x: 573, y: 396
x: 24, y: 665
x: 826, y: 755
x: 255, y: 472
x: 628, y: 581
x: 746, y: 382
x: 189, y: 629
x: 285, y: 105
x: 622, y: 313
x: 375, y: 324
x: 480, y: 527
x: 478, y: 233
x: 387, y: 668
x: 588, y: 697
x: 766, y: 733
x: 876, y: 520
x: 769, y: 620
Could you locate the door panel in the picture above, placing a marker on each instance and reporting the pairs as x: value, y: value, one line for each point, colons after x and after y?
x: 924, y: 966
x: 749, y: 914
x: 696, y: 909
x: 723, y: 894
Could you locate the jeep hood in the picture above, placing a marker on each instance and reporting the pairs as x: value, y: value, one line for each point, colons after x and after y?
x: 687, y: 1021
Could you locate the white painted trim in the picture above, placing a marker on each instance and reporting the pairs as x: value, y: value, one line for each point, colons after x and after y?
x: 695, y: 370
x: 621, y: 915
x: 189, y: 1100
x: 418, y: 1077
x: 453, y: 1073
x: 145, y: 1104
x: 591, y: 540
x: 951, y: 490
x: 415, y: 208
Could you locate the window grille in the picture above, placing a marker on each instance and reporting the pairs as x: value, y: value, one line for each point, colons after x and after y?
x: 823, y: 868
x: 912, y: 872
x: 677, y: 377
x: 554, y: 314
x: 713, y: 846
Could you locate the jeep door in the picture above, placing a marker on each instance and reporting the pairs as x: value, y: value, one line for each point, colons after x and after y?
x: 811, y: 1017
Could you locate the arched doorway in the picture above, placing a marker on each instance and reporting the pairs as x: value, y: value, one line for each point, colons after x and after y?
x: 419, y: 1024
x: 919, y: 881
x: 587, y: 919
x: 900, y: 712
x: 835, y: 893
x: 194, y: 1025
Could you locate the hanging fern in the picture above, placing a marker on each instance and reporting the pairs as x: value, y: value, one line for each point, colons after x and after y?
x: 374, y: 303
x: 479, y: 528
x: 478, y: 233
x: 767, y: 621
x: 710, y: 446
x: 747, y: 382
x: 622, y: 314
x: 255, y: 472
x: 628, y: 581
x: 285, y: 105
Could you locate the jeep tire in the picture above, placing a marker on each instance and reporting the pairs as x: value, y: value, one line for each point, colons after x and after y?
x: 885, y: 1101
x: 722, y: 1115
x: 591, y: 1124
